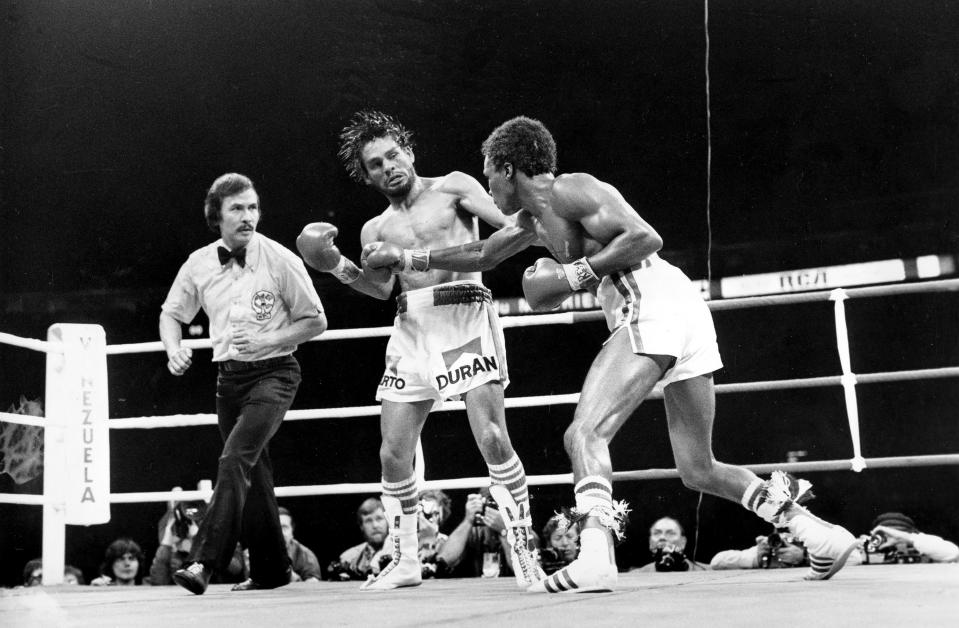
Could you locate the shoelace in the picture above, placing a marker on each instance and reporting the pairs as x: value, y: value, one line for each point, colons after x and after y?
x: 196, y: 569
x: 394, y: 559
x: 521, y: 547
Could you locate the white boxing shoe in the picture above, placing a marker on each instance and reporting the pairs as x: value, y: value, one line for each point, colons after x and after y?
x: 580, y: 576
x: 518, y: 523
x: 404, y: 570
x: 829, y: 546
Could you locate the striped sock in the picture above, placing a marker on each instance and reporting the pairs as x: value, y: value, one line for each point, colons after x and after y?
x: 512, y: 475
x: 405, y: 491
x: 593, y: 491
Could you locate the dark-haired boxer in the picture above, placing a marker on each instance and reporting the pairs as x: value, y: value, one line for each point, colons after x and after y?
x: 447, y: 341
x: 661, y: 331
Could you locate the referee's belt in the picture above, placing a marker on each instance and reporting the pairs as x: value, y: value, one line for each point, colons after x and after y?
x: 236, y: 366
x: 443, y: 295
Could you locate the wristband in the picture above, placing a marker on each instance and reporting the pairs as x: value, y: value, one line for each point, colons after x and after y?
x: 580, y: 274
x: 416, y: 259
x: 346, y: 271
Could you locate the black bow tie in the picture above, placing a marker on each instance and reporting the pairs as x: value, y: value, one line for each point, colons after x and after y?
x: 225, y: 254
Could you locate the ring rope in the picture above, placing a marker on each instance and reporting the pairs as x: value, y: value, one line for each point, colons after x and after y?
x: 183, y: 420
x: 533, y: 480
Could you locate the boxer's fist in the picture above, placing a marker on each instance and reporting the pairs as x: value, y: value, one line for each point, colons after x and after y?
x: 384, y: 256
x: 379, y: 274
x: 315, y: 244
x: 545, y: 285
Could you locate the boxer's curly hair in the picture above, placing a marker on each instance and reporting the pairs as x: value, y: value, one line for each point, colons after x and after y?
x: 523, y: 142
x: 364, y: 127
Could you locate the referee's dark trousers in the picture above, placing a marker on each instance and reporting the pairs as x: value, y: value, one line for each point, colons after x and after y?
x: 251, y: 400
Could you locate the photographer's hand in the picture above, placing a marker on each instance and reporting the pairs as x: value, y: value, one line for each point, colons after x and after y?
x: 893, y: 535
x: 474, y: 504
x: 494, y: 520
x: 169, y: 538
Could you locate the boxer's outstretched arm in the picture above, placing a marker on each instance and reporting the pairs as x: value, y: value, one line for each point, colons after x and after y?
x: 484, y: 254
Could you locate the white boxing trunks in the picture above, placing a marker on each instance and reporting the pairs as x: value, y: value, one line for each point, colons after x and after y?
x: 446, y: 340
x: 663, y: 313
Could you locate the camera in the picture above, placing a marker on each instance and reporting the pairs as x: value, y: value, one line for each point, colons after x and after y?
x: 478, y: 517
x: 774, y: 542
x: 876, y: 540
x: 669, y: 558
x: 185, y: 513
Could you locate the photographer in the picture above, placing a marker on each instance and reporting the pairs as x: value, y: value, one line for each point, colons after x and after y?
x: 667, y: 544
x: 894, y: 538
x: 177, y: 528
x: 560, y: 544
x: 777, y: 550
x: 478, y: 545
x: 362, y: 560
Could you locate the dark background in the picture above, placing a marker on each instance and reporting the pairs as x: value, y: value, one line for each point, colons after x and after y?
x: 835, y: 140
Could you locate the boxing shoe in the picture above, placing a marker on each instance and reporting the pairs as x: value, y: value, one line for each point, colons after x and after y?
x: 194, y: 578
x: 586, y: 574
x: 518, y: 523
x: 404, y: 569
x: 829, y: 546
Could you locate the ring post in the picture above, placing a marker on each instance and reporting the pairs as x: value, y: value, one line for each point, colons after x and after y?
x: 848, y: 380
x: 76, y: 479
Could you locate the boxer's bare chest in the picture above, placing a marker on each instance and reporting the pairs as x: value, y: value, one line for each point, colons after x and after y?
x: 432, y: 221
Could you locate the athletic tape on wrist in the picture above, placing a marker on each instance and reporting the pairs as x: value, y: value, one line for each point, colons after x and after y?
x: 346, y: 271
x: 580, y: 274
x: 416, y: 259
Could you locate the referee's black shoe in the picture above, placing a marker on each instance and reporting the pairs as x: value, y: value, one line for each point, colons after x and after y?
x: 194, y: 578
x: 252, y: 585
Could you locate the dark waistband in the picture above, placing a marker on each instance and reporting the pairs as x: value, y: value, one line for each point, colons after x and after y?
x: 235, y: 366
x: 445, y: 294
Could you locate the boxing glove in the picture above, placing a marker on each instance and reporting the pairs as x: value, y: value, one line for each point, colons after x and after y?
x: 381, y: 272
x: 397, y: 259
x: 547, y: 283
x: 315, y: 244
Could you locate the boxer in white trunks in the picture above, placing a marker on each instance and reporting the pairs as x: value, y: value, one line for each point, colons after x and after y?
x: 447, y: 341
x: 661, y: 331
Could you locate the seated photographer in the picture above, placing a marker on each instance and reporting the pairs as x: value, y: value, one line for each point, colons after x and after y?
x: 560, y: 545
x: 176, y: 528
x: 779, y: 549
x: 478, y: 545
x: 667, y: 544
x: 305, y: 567
x: 434, y: 511
x: 894, y: 538
x: 363, y: 560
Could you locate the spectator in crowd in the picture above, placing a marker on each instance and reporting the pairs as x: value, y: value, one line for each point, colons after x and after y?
x: 667, y: 544
x: 894, y: 538
x: 121, y: 564
x: 777, y: 550
x: 435, y: 509
x: 177, y: 529
x: 33, y: 574
x: 363, y: 560
x: 560, y: 544
x: 72, y: 575
x: 306, y: 568
x: 478, y: 545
